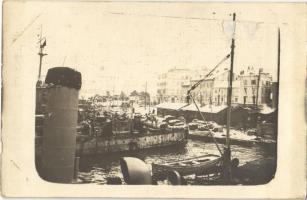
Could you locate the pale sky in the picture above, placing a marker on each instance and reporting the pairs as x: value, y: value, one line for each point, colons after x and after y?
x: 120, y: 45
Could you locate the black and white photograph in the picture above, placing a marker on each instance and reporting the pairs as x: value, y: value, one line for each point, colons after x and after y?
x: 202, y: 110
x: 156, y: 93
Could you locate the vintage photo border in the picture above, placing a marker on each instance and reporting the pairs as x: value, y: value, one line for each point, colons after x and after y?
x: 19, y: 176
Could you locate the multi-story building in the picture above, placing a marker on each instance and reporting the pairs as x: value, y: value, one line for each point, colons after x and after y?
x: 255, y: 87
x: 203, y: 93
x: 185, y: 86
x: 220, y: 88
x: 248, y: 88
x: 170, y: 85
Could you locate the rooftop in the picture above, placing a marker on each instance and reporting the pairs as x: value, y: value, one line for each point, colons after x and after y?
x: 192, y: 107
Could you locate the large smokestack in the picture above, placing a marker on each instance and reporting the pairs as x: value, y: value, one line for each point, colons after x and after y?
x: 59, y: 137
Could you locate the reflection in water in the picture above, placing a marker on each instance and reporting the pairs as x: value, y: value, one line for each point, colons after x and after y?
x: 97, y: 168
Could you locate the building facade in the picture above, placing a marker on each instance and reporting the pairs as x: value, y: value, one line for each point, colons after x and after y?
x: 255, y: 88
x: 220, y: 88
x: 249, y: 88
x: 170, y: 85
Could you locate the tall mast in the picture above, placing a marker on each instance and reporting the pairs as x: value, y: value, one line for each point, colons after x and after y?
x: 278, y: 73
x: 42, y: 44
x: 227, y: 153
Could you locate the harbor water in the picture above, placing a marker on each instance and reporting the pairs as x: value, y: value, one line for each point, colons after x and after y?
x: 97, y: 168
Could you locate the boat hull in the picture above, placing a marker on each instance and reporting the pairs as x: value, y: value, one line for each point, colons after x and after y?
x: 131, y: 142
x: 127, y: 142
x: 211, y: 166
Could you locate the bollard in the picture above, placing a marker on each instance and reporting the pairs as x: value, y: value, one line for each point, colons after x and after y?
x: 60, y: 126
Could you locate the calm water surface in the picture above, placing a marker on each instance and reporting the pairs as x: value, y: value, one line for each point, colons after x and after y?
x: 97, y: 168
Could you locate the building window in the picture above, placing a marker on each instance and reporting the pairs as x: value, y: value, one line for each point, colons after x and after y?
x: 236, y: 99
x: 245, y: 82
x: 253, y: 82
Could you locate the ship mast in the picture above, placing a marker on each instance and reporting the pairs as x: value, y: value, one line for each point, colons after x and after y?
x: 42, y: 44
x: 227, y: 153
x: 190, y: 97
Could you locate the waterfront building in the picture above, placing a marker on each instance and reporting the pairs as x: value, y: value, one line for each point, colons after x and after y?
x: 185, y: 86
x: 203, y: 94
x: 135, y: 99
x: 248, y: 88
x: 170, y: 85
x: 255, y: 88
x: 220, y: 88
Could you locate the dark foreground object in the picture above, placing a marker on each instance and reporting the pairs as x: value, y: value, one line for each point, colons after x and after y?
x: 64, y: 76
x: 57, y: 163
x: 256, y: 172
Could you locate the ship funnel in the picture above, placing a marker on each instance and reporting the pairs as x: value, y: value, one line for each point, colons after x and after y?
x: 60, y: 126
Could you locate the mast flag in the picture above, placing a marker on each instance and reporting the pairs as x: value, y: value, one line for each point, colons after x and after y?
x: 44, y: 43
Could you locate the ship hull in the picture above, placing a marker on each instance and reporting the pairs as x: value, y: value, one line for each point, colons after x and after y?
x: 133, y: 142
x: 123, y: 143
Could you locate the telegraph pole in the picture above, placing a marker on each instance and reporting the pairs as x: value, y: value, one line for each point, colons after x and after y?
x: 227, y: 153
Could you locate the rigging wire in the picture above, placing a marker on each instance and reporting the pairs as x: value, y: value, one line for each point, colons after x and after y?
x: 209, y: 74
x: 189, y: 96
x: 194, y: 18
x: 214, y: 140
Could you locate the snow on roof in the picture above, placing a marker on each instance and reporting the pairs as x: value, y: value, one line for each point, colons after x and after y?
x: 267, y: 110
x: 212, y: 108
x: 192, y: 107
x: 173, y: 106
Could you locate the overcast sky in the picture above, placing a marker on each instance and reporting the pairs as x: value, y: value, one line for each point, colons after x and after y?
x: 120, y: 46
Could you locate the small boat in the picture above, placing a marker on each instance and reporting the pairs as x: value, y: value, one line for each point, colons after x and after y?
x: 205, y: 164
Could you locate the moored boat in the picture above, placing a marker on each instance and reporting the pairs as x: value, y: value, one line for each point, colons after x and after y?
x: 205, y: 164
x: 111, y: 135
